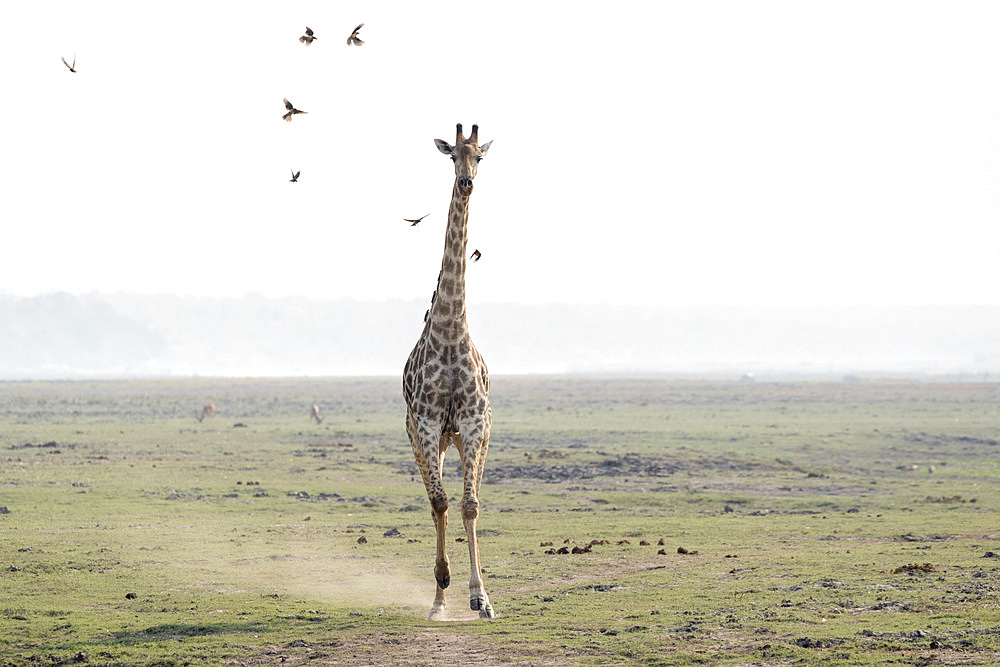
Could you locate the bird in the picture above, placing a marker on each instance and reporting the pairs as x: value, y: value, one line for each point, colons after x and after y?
x: 354, y: 39
x: 475, y: 255
x: 415, y: 221
x: 308, y: 38
x: 72, y: 68
x: 291, y: 111
x: 295, y: 177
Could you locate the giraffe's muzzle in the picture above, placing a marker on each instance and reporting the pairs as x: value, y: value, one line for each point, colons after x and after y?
x: 465, y: 185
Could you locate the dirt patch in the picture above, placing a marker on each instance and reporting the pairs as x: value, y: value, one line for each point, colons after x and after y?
x: 630, y: 465
x: 944, y: 439
x: 914, y: 568
x: 944, y: 499
x: 427, y: 646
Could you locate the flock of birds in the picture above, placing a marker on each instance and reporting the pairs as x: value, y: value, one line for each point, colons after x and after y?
x: 308, y: 38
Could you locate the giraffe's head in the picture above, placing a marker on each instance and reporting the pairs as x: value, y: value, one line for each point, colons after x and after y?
x: 466, y: 154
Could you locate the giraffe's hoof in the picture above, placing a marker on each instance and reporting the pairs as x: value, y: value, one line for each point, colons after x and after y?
x: 482, y: 605
x: 444, y: 581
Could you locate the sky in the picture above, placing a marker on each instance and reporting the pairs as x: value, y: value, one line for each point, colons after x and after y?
x: 654, y: 153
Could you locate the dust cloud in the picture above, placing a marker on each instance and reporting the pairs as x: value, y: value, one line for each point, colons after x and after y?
x: 364, y: 582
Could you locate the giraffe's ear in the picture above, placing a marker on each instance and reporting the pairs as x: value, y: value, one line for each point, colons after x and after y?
x: 485, y: 147
x: 444, y: 146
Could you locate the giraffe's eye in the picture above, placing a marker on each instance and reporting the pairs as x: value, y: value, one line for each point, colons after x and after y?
x: 479, y: 158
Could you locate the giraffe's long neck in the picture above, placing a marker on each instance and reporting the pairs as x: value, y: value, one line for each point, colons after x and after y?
x: 447, y: 315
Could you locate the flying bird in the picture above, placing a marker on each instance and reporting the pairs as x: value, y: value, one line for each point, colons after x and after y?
x: 72, y: 68
x: 295, y: 177
x: 414, y: 222
x: 354, y: 39
x: 308, y: 38
x: 291, y: 111
x: 475, y: 255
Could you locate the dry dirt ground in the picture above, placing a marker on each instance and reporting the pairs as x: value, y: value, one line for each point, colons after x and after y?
x: 430, y: 646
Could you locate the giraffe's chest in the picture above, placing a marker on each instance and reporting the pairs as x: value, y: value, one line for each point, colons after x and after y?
x: 445, y: 391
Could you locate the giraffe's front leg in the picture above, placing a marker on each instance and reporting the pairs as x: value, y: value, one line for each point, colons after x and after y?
x: 442, y: 570
x: 425, y: 438
x: 475, y: 440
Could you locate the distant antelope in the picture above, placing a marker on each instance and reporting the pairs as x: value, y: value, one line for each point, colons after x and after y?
x: 207, y: 411
x: 314, y: 413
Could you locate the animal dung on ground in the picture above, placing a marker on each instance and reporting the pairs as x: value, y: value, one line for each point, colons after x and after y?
x: 624, y: 542
x: 643, y: 543
x: 545, y: 544
x: 662, y: 542
x: 682, y: 550
x: 362, y: 540
x: 566, y: 550
x: 392, y: 532
x: 459, y: 539
x: 130, y: 596
x: 662, y: 552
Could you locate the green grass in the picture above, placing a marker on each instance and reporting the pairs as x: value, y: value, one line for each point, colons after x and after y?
x: 239, y: 537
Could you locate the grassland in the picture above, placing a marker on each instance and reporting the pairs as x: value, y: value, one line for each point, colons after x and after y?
x: 815, y: 531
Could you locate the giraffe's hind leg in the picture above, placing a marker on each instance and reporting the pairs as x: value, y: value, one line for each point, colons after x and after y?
x: 428, y: 449
x: 475, y: 440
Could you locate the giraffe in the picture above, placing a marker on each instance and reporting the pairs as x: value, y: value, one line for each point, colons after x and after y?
x: 446, y: 385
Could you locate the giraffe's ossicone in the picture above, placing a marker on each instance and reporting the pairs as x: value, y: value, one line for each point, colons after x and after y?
x: 446, y: 385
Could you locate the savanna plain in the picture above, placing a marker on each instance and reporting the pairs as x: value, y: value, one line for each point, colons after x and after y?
x: 734, y: 523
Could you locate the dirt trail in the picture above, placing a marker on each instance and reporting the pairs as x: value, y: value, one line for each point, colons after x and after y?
x: 427, y: 646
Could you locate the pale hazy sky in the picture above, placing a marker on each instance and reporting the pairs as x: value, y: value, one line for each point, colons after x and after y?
x: 669, y: 153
